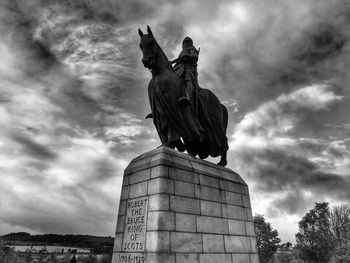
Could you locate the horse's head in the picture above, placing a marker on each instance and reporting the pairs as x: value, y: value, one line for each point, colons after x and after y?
x: 149, y: 48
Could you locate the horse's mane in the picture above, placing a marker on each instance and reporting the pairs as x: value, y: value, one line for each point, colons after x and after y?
x: 163, y: 59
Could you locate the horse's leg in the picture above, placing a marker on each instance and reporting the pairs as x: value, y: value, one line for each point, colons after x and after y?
x: 223, y: 160
x: 180, y: 146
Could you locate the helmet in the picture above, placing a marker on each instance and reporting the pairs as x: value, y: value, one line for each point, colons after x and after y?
x: 187, y: 42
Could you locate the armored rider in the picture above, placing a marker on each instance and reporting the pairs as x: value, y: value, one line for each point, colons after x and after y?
x: 186, y: 69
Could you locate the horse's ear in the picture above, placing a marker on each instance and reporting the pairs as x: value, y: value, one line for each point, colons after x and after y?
x: 149, y: 30
x: 140, y: 33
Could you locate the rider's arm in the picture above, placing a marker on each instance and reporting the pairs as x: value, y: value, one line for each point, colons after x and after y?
x: 189, y: 55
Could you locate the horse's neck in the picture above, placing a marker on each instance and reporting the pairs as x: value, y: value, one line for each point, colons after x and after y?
x: 162, y: 62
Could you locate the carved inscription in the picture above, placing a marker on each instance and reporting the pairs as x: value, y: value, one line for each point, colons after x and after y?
x: 132, y: 258
x: 135, y: 226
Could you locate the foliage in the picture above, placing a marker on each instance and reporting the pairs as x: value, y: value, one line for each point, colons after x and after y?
x: 340, y: 224
x: 314, y: 239
x: 267, y: 238
x: 106, y: 258
x: 7, y: 255
x: 89, y: 259
x: 28, y: 257
x: 286, y: 257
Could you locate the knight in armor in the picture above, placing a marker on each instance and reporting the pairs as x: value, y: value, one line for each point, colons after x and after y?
x: 186, y: 69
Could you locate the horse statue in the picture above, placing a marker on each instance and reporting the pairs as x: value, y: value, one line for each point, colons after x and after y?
x: 200, y: 132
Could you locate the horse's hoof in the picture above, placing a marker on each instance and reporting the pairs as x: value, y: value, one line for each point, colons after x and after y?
x: 184, y: 101
x: 222, y: 163
x: 180, y: 146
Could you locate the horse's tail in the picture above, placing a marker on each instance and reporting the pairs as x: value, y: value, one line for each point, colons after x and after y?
x: 224, y: 116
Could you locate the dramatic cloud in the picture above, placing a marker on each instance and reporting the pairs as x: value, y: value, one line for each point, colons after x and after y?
x: 292, y: 170
x: 73, y: 97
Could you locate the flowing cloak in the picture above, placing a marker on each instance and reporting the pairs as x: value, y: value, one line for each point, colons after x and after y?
x: 213, y: 116
x: 171, y: 120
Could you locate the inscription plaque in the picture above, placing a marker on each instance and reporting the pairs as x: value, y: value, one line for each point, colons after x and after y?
x: 135, y: 226
x: 132, y: 258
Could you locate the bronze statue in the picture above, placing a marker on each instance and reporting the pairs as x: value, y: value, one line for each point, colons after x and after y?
x: 186, y: 116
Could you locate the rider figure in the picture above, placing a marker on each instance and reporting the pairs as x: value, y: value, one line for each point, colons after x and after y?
x: 186, y: 69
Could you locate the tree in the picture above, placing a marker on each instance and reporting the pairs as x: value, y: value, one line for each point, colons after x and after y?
x: 266, y: 238
x: 314, y: 239
x: 340, y: 224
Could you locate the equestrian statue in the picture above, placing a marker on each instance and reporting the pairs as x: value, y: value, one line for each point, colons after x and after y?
x: 186, y: 116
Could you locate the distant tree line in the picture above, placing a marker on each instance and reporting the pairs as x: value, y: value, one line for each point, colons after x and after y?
x: 8, y: 255
x: 98, y: 244
x: 323, y: 237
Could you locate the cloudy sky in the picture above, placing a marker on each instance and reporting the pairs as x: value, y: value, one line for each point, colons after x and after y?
x: 73, y: 97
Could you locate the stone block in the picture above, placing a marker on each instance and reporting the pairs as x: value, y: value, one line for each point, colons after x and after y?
x: 254, y: 258
x: 185, y: 222
x: 159, y: 171
x: 246, y: 201
x: 125, y: 193
x: 246, y: 190
x: 161, y: 221
x: 128, y: 169
x: 140, y: 176
x: 183, y: 175
x: 205, y: 169
x: 236, y: 227
x: 230, y: 176
x: 206, y: 224
x: 207, y: 193
x: 250, y: 228
x: 115, y: 258
x: 232, y: 186
x: 213, y: 243
x: 141, y: 164
x: 157, y: 241
x: 118, y: 240
x: 223, y: 197
x: 158, y: 202
x: 239, y: 258
x: 234, y: 212
x: 184, y: 205
x: 161, y: 186
x: 215, y: 258
x: 161, y: 159
x: 208, y: 181
x: 125, y: 180
x: 122, y: 208
x: 237, y: 244
x: 139, y: 189
x: 120, y: 224
x: 249, y: 214
x: 186, y: 242
x: 253, y: 244
x: 241, y: 180
x: 209, y: 208
x: 181, y: 163
x: 233, y: 198
x: 187, y: 258
x: 160, y: 258
x: 184, y: 189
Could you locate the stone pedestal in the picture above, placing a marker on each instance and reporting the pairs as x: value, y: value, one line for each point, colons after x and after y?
x: 178, y: 209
